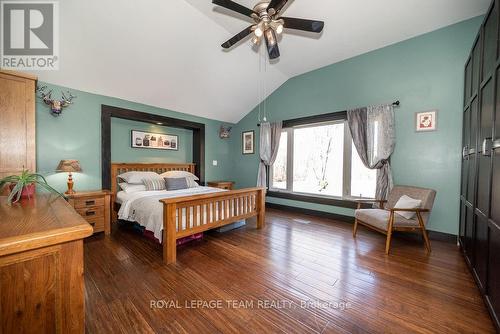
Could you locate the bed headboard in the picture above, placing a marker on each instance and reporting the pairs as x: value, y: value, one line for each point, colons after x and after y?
x: 118, y: 168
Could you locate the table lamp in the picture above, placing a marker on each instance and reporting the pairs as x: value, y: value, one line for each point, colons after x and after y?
x: 70, y: 166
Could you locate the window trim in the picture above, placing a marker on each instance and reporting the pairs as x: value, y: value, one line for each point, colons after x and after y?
x: 288, y: 193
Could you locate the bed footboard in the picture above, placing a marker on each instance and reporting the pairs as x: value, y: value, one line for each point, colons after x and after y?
x: 185, y: 216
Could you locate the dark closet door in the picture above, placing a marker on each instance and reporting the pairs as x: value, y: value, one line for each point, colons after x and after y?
x: 493, y: 292
x: 487, y: 234
x: 480, y: 187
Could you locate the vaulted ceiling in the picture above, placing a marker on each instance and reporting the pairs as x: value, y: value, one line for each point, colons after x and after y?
x: 167, y: 53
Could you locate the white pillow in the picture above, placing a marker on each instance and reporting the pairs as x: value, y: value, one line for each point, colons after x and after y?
x: 406, y: 202
x: 175, y: 174
x: 191, y: 182
x: 136, y: 177
x: 131, y: 188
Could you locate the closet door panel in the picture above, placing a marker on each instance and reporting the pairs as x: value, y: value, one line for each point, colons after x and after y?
x: 468, y: 82
x: 490, y: 42
x: 465, y: 152
x: 469, y: 234
x: 481, y: 250
x: 494, y: 269
x: 472, y: 152
x: 463, y: 209
x: 476, y: 66
x: 484, y: 150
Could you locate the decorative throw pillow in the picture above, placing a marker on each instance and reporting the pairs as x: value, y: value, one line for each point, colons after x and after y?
x: 136, y: 177
x: 191, y: 182
x: 179, y: 174
x: 131, y: 188
x: 176, y: 183
x: 154, y: 183
x: 406, y: 202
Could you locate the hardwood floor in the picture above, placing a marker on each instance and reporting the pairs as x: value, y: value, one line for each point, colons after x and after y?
x: 300, y: 274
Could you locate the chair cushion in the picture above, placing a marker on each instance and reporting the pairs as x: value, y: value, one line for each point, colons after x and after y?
x: 427, y: 197
x: 380, y: 219
x: 406, y: 202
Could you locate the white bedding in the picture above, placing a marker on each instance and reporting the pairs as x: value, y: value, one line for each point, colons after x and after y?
x: 145, y: 208
x: 122, y: 197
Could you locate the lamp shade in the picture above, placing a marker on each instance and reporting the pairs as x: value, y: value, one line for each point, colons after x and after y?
x: 69, y: 166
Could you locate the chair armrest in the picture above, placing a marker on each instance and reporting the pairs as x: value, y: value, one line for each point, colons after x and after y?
x: 380, y: 201
x: 409, y: 210
x: 360, y: 201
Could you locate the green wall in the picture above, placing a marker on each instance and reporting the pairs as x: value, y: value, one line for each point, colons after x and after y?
x: 76, y: 134
x: 424, y: 73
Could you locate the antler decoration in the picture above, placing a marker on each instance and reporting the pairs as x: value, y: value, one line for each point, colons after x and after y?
x: 56, y: 106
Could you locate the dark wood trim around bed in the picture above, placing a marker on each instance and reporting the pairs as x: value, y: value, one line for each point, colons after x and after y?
x: 107, y: 112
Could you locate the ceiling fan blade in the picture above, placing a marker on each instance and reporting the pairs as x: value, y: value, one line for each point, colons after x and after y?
x: 277, y: 5
x: 234, y: 7
x: 238, y: 37
x: 272, y: 44
x: 303, y: 24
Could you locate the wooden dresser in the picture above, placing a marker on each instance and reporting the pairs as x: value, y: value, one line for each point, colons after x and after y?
x: 228, y: 185
x: 95, y: 207
x: 17, y: 123
x: 41, y: 266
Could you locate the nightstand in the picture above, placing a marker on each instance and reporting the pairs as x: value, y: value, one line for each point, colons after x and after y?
x: 228, y: 185
x: 95, y: 207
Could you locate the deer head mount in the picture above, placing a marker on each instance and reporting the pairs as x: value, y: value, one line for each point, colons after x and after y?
x: 56, y: 105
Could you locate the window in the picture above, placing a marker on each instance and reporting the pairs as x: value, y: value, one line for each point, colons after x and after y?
x: 320, y: 159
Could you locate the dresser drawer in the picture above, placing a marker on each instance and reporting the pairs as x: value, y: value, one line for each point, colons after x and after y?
x: 97, y: 223
x: 88, y: 202
x: 91, y: 212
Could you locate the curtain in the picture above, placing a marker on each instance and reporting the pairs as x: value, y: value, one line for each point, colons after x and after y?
x: 270, y: 134
x: 373, y: 133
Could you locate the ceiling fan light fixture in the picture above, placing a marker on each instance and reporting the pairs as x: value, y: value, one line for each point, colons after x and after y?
x: 259, y: 30
x: 279, y: 29
x: 269, y: 24
x: 270, y: 37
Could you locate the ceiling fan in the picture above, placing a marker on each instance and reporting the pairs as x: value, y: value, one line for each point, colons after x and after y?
x: 268, y: 23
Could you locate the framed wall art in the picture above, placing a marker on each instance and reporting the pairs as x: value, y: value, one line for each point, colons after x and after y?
x: 248, y: 142
x: 426, y: 121
x: 159, y: 141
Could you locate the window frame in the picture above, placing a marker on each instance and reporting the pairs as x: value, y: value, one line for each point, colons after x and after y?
x: 311, y: 121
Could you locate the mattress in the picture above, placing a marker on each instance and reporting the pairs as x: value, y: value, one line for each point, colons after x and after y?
x: 145, y: 208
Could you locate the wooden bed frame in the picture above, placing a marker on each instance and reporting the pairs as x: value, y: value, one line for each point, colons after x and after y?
x: 202, y: 212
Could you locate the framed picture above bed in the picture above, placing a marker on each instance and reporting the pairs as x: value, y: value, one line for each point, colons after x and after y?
x: 159, y: 141
x: 248, y: 142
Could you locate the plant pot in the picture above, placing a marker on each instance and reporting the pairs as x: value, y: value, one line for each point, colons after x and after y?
x: 27, y: 192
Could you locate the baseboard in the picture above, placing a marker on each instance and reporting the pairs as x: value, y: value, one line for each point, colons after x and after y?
x: 433, y: 235
x: 310, y: 212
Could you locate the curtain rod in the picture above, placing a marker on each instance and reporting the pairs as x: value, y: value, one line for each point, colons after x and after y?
x: 394, y: 104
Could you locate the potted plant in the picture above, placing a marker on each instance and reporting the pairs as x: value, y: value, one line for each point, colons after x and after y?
x: 23, y: 185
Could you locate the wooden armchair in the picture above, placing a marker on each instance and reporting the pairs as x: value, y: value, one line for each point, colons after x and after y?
x: 386, y: 220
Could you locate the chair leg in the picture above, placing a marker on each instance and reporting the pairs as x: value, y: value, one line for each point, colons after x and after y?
x: 355, y: 229
x: 389, y: 233
x: 424, y: 232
